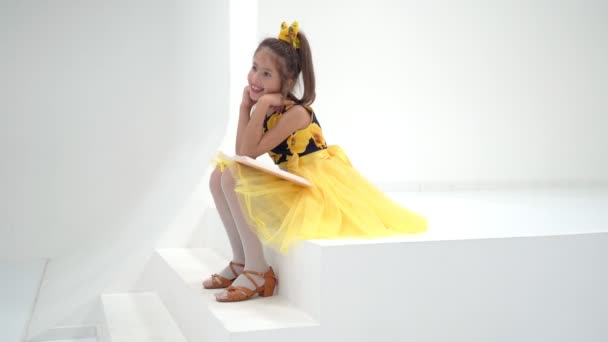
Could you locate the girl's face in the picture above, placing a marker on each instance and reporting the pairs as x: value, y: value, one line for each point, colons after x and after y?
x: 264, y: 75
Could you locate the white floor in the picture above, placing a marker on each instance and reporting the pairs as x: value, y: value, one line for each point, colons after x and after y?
x: 451, y: 215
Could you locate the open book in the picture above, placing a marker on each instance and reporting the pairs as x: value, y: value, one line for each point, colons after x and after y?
x: 273, y: 170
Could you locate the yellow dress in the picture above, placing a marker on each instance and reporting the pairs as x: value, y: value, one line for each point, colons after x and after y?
x: 341, y: 204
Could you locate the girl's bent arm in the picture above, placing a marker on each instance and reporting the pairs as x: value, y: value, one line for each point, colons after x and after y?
x: 255, y: 142
x: 244, y: 114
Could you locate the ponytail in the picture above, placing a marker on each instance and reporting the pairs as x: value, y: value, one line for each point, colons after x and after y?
x: 295, y: 57
x: 307, y: 69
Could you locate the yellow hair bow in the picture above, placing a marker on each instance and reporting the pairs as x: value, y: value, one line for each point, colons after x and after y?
x: 290, y: 34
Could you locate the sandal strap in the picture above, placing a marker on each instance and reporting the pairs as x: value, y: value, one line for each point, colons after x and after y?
x: 218, y: 279
x: 267, y: 274
x: 242, y: 289
x: 232, y: 264
x: 247, y: 275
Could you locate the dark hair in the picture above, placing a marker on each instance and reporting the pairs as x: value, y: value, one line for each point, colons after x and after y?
x: 291, y: 62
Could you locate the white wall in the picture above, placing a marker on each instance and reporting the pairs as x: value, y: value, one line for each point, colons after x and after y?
x: 20, y: 281
x: 243, y: 21
x: 113, y: 112
x: 459, y: 91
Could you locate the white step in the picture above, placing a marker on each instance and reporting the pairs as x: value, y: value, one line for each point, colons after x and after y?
x: 138, y: 317
x: 194, y: 265
x: 177, y: 273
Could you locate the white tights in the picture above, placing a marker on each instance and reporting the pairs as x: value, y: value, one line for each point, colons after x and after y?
x: 246, y: 247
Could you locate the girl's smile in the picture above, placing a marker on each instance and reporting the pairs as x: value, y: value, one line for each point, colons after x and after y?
x: 255, y: 92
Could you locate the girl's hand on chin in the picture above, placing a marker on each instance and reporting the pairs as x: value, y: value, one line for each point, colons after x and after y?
x: 246, y: 101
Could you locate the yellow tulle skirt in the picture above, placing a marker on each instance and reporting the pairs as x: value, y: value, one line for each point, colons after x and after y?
x: 341, y: 204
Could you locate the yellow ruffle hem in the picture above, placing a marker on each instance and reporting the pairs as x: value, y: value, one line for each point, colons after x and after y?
x: 341, y: 204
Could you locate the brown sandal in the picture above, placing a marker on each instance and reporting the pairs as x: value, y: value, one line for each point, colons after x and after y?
x: 239, y: 293
x: 219, y: 282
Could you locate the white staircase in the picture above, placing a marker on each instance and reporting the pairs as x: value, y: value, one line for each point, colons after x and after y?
x: 176, y: 275
x: 540, y: 286
x: 273, y: 316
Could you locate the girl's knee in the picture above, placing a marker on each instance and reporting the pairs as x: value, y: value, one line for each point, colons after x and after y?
x: 227, y: 181
x: 215, y: 181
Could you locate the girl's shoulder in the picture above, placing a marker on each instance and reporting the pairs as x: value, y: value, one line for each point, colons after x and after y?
x: 305, y: 112
x: 298, y: 115
x: 290, y: 108
x: 298, y: 108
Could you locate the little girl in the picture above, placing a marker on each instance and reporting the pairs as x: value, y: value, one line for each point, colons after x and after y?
x: 257, y: 207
